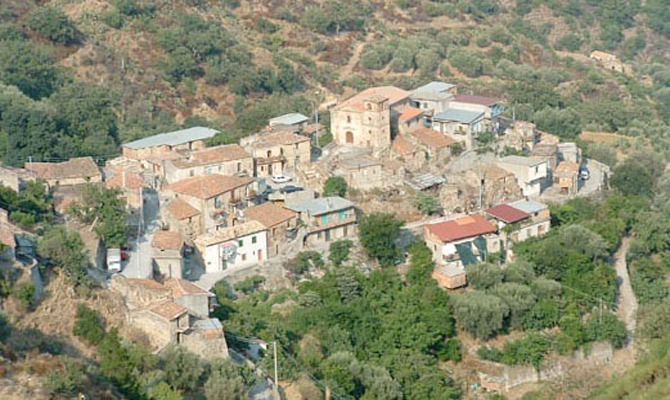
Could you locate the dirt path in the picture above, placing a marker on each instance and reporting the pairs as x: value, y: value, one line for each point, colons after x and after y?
x: 356, y: 57
x: 627, y: 307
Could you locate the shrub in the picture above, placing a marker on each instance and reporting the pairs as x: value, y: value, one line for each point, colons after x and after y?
x: 426, y: 203
x: 53, y: 24
x: 482, y: 315
x: 65, y: 379
x: 304, y: 261
x: 489, y: 353
x: 335, y: 186
x: 484, y: 276
x: 250, y: 284
x: 24, y: 292
x: 339, y: 251
x: 89, y: 325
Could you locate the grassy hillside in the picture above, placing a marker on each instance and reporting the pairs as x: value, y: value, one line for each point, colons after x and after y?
x: 234, y: 63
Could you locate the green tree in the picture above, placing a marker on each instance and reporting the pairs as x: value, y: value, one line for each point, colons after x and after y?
x: 378, y: 233
x: 107, y: 206
x: 484, y: 276
x: 225, y: 382
x: 89, y: 325
x: 630, y: 178
x: 29, y: 67
x: 607, y: 327
x: 53, y: 24
x: 339, y: 251
x: 482, y: 315
x: 163, y: 391
x: 116, y: 363
x: 66, y: 249
x: 183, y: 370
x: 335, y: 186
x: 426, y: 203
x: 518, y: 298
x: 24, y: 292
x: 66, y: 378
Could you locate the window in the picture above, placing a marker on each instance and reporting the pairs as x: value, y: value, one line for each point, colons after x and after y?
x: 537, y: 169
x: 190, y: 172
x: 217, y: 202
x: 253, y: 240
x: 244, y: 257
x: 239, y: 167
x: 348, y: 119
x: 369, y: 119
x: 343, y: 215
x: 240, y: 243
x: 324, y: 219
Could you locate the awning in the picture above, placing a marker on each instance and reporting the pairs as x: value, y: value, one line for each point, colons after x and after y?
x: 465, y: 253
x: 480, y: 243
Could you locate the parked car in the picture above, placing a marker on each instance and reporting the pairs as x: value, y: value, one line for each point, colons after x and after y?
x: 280, y: 179
x: 114, y: 260
x: 290, y: 189
x: 584, y: 173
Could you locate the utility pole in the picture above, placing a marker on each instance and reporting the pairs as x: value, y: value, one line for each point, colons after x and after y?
x: 276, y: 373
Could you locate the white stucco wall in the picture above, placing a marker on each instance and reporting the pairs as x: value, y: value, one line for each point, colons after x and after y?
x: 246, y: 255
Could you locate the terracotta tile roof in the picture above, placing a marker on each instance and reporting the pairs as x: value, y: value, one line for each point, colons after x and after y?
x: 213, y: 155
x: 208, y: 186
x: 269, y: 214
x: 277, y: 138
x: 601, y: 55
x: 461, y: 228
x: 167, y: 240
x: 180, y: 209
x: 181, y: 287
x: 432, y: 138
x: 125, y: 180
x: 481, y: 100
x: 392, y: 93
x: 148, y: 283
x: 82, y: 167
x: 492, y: 171
x: 409, y: 114
x: 229, y: 233
x: 168, y: 309
x: 507, y: 213
x: 7, y: 236
x: 567, y: 169
x: 402, y: 146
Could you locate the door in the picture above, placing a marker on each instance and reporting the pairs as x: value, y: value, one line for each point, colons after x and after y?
x: 350, y: 137
x: 327, y: 235
x: 260, y: 255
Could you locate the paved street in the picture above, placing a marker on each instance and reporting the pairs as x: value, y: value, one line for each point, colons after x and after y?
x: 139, y: 263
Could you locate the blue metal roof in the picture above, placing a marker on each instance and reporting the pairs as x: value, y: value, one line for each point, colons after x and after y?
x: 288, y: 119
x: 461, y: 116
x: 321, y: 205
x: 173, y: 138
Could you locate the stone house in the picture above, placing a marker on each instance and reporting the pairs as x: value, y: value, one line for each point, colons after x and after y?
x: 280, y: 222
x: 206, y: 338
x: 167, y: 256
x: 437, y: 146
x: 327, y: 219
x: 569, y: 152
x: 433, y: 97
x: 15, y: 178
x: 368, y: 118
x: 76, y: 171
x: 410, y: 119
x: 567, y: 177
x: 492, y: 108
x: 230, y: 159
x: 182, y: 217
x: 131, y: 185
x: 449, y: 277
x: 462, y: 125
x: 546, y: 152
x: 540, y: 217
x: 531, y: 174
x: 520, y: 135
x: 218, y: 198
x: 164, y: 322
x: 278, y: 153
x: 459, y: 243
x: 197, y: 300
x: 234, y: 247
x: 362, y: 172
x: 609, y: 61
x: 186, y: 139
x: 404, y: 150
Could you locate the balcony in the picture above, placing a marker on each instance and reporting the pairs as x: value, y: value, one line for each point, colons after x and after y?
x: 270, y: 160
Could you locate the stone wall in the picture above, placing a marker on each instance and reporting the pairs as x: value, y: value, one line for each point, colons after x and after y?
x: 137, y: 294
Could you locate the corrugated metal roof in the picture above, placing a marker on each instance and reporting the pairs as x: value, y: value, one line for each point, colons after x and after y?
x: 434, y: 90
x: 288, y: 119
x: 462, y: 116
x: 520, y: 160
x: 321, y: 205
x: 528, y: 206
x: 425, y: 181
x: 173, y: 138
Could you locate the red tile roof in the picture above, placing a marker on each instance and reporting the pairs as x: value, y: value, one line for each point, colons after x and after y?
x: 507, y: 213
x: 180, y: 209
x: 409, y: 114
x: 167, y: 240
x: 181, y: 287
x: 168, y: 309
x: 461, y: 228
x: 213, y: 155
x: 432, y: 138
x: 402, y: 146
x: 481, y: 100
x: 392, y: 93
x: 208, y: 186
x: 269, y: 214
x: 125, y: 180
x: 81, y: 167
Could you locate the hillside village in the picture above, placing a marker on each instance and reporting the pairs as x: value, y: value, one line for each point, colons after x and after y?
x: 200, y: 214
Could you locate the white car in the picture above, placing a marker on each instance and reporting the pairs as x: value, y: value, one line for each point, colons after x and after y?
x: 280, y: 179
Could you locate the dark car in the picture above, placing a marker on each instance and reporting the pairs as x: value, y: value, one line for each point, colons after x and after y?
x: 290, y: 189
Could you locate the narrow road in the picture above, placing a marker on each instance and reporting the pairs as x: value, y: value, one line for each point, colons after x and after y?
x: 627, y: 302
